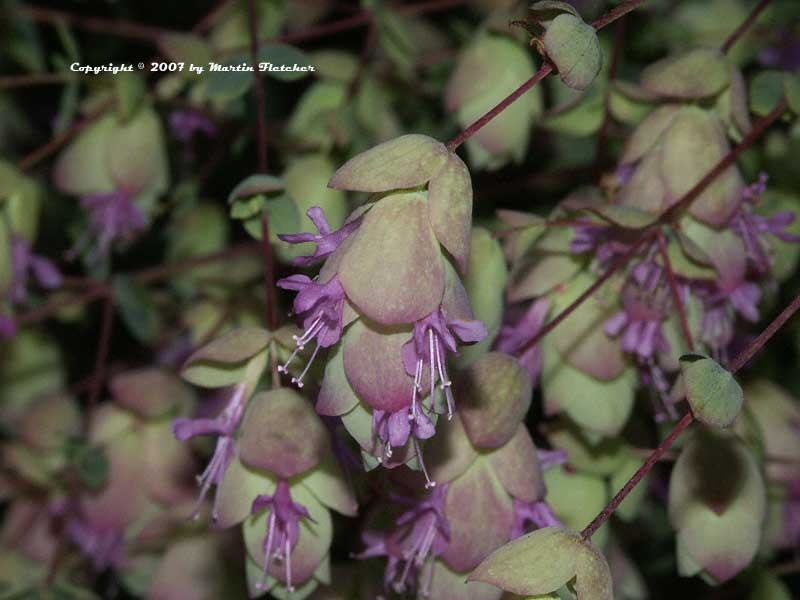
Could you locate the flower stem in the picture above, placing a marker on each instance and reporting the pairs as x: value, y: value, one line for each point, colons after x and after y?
x: 543, y: 72
x: 676, y: 297
x: 746, y: 24
x: 687, y: 419
x: 648, y: 464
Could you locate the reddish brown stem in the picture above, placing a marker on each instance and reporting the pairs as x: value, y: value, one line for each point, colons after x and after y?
x: 269, y: 274
x: 601, y: 518
x: 504, y: 104
x: 765, y: 335
x: 600, y: 142
x: 15, y: 81
x: 746, y: 24
x: 54, y: 144
x: 261, y: 118
x: 620, y: 262
x: 543, y: 72
x: 676, y: 296
x: 101, y: 361
x: 101, y: 290
x: 115, y: 27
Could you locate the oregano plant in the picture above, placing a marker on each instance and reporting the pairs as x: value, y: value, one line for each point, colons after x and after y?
x: 455, y: 299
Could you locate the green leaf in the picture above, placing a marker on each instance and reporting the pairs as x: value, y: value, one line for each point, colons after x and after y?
x: 254, y: 185
x: 90, y: 462
x: 766, y: 90
x: 225, y: 360
x: 592, y: 575
x: 546, y: 10
x: 574, y: 48
x: 537, y: 563
x: 137, y: 309
x: 712, y: 392
x: 696, y: 73
x: 185, y: 47
x: 229, y: 85
x: 404, y: 162
x: 791, y: 87
x: 131, y: 90
x: 281, y: 55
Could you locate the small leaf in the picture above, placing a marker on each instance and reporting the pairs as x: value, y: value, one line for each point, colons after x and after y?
x: 546, y: 10
x: 223, y: 361
x: 137, y: 309
x: 450, y: 204
x: 791, y: 87
x: 282, y: 55
x: 184, y: 47
x: 537, y: 563
x: 574, y: 48
x: 404, y: 162
x: 130, y: 92
x: 697, y: 73
x: 593, y: 576
x: 229, y: 85
x: 255, y: 185
x: 90, y: 462
x: 766, y: 90
x: 712, y: 392
x: 628, y: 217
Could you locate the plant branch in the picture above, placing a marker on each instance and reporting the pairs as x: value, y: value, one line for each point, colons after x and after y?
x: 746, y: 24
x: 115, y: 27
x: 648, y: 464
x: 676, y: 296
x: 619, y: 38
x: 737, y: 364
x: 103, y: 289
x: 16, y: 81
x: 543, y: 72
x: 261, y: 122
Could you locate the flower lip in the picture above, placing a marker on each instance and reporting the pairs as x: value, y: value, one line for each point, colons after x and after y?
x: 327, y: 241
x: 319, y: 306
x: 283, y: 529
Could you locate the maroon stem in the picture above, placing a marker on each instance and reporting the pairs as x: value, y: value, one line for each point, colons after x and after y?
x: 746, y: 24
x: 600, y: 145
x: 115, y: 27
x: 546, y: 69
x: 261, y: 118
x: 765, y: 335
x: 55, y: 143
x: 15, y: 81
x: 620, y: 262
x: 676, y: 296
x: 601, y: 518
x: 101, y: 360
x: 102, y: 289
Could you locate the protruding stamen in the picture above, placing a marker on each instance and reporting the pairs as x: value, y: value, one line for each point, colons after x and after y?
x: 417, y: 388
x: 428, y: 482
x: 288, y: 559
x: 444, y: 381
x: 299, y: 380
x: 433, y: 361
x: 268, y: 554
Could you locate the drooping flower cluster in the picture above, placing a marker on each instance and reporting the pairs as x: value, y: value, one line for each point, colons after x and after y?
x: 393, y: 316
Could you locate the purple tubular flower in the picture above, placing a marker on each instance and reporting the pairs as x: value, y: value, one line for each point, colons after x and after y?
x: 224, y: 426
x: 430, y: 341
x: 327, y: 241
x: 102, y: 547
x: 113, y: 216
x: 8, y: 327
x: 185, y: 123
x: 319, y: 306
x: 639, y: 323
x: 25, y: 262
x: 394, y: 429
x: 513, y: 337
x: 283, y: 529
x: 532, y: 515
x: 422, y: 534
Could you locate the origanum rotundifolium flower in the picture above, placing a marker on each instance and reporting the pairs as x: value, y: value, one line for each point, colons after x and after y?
x: 388, y: 300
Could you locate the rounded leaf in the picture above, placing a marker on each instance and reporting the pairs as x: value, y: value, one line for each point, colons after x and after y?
x: 450, y: 204
x: 404, y: 162
x: 493, y: 396
x: 536, y: 563
x: 715, y: 397
x: 574, y: 48
x: 281, y: 434
x: 696, y: 73
x: 393, y: 270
